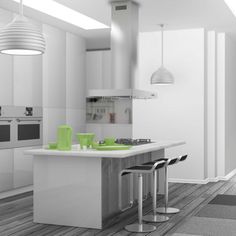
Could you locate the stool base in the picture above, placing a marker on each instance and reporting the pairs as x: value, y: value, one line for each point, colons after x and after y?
x: 140, y: 228
x: 155, y: 218
x: 168, y: 210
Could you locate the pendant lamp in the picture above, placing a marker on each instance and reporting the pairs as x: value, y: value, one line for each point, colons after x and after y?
x: 162, y: 75
x: 21, y: 37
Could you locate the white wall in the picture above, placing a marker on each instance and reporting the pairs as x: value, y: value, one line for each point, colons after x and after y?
x: 178, y: 112
x: 230, y: 105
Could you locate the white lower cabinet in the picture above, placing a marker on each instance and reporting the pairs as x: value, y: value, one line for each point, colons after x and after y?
x: 6, y: 169
x: 23, y: 167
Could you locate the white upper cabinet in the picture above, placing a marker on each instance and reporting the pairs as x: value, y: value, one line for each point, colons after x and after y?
x: 106, y: 69
x: 94, y: 70
x: 75, y: 72
x: 27, y: 80
x: 54, y: 68
x: 98, y: 69
x: 6, y: 67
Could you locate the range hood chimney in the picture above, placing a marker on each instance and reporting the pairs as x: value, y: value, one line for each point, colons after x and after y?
x: 124, y: 43
x: 124, y: 40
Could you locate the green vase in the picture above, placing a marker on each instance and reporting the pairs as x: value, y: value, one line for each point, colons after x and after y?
x: 64, y: 138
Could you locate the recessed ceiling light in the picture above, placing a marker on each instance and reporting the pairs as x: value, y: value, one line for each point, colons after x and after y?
x: 232, y: 5
x: 57, y: 10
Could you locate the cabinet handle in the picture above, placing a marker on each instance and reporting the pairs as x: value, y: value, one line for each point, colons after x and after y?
x: 21, y: 120
x: 6, y: 121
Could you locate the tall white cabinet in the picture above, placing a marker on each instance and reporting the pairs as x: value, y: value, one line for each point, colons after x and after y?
x: 6, y: 65
x: 54, y: 82
x: 75, y: 83
x: 63, y: 82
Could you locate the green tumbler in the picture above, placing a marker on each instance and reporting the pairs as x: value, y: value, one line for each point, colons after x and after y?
x: 64, y: 138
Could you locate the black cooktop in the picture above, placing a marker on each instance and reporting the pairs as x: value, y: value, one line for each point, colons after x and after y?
x: 134, y: 142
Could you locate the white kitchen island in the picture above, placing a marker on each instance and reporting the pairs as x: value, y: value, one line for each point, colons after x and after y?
x: 80, y: 188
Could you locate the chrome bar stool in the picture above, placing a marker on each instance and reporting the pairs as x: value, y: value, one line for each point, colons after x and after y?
x: 140, y: 170
x: 166, y: 209
x: 154, y: 217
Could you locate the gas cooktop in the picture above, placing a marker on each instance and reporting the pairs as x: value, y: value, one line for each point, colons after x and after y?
x: 134, y: 142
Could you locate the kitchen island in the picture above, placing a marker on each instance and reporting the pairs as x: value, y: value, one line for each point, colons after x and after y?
x: 80, y: 188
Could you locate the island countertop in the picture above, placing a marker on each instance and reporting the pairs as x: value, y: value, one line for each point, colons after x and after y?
x: 135, y: 150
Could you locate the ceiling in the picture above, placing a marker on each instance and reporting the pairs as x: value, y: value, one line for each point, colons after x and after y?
x: 175, y: 14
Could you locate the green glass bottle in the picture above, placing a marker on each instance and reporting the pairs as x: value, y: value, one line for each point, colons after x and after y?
x: 64, y: 138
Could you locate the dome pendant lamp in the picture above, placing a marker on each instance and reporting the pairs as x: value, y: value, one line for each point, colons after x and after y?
x: 21, y: 37
x: 162, y: 75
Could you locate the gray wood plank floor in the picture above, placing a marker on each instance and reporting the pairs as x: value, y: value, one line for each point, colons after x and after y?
x: 16, y: 213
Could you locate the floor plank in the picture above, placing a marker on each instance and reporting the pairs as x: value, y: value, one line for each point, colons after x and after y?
x: 16, y: 213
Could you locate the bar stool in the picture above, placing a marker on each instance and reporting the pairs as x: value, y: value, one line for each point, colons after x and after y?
x: 166, y: 209
x: 140, y: 170
x: 154, y: 217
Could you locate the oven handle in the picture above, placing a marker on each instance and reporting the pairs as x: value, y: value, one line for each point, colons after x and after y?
x: 25, y: 120
x: 9, y: 121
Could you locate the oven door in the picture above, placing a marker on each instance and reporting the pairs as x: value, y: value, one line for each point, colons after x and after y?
x: 6, y: 133
x: 29, y: 132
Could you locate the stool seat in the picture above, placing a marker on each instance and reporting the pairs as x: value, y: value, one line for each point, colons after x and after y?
x: 137, y: 169
x: 183, y: 158
x: 158, y: 166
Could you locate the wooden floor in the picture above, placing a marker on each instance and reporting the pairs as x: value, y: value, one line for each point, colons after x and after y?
x: 16, y: 213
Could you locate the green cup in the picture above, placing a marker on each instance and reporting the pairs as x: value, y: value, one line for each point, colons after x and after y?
x: 109, y: 141
x: 52, y: 146
x: 85, y: 139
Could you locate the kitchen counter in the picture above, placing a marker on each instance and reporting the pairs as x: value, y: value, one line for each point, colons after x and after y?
x: 135, y: 150
x: 80, y: 188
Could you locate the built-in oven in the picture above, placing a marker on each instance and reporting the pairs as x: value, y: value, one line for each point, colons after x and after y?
x: 6, y: 132
x: 28, y: 132
x: 20, y: 126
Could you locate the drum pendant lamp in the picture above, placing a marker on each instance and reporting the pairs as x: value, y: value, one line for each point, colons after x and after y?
x: 162, y: 75
x: 21, y: 37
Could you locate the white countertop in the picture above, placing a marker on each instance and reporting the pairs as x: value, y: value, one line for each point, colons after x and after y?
x: 135, y: 150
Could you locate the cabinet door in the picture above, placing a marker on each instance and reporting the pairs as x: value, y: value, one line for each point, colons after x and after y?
x: 27, y: 80
x: 54, y: 68
x: 23, y: 167
x: 75, y: 72
x: 6, y: 67
x: 6, y: 169
x: 94, y: 69
x: 106, y: 69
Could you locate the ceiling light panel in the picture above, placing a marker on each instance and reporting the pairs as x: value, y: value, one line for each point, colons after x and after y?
x: 59, y: 11
x: 232, y: 5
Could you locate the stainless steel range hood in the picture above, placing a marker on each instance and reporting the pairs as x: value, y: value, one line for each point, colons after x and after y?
x: 124, y: 41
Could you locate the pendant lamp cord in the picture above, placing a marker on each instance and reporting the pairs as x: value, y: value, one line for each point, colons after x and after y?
x: 162, y: 41
x: 21, y: 8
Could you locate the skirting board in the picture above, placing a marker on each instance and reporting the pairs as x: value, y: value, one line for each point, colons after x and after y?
x: 204, y: 181
x: 16, y: 192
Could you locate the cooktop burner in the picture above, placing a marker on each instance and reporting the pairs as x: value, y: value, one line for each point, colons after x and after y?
x: 129, y: 141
